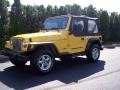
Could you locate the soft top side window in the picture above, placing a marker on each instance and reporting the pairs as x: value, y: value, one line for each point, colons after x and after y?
x: 92, y: 27
x: 78, y: 22
x: 77, y: 26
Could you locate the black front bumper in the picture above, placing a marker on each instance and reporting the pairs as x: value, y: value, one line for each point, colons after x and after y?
x: 13, y: 54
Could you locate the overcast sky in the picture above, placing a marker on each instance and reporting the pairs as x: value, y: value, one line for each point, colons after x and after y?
x: 110, y: 5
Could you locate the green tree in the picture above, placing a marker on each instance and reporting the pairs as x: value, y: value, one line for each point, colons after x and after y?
x: 4, y: 20
x: 68, y: 9
x: 55, y: 11
x: 104, y: 25
x: 76, y: 9
x: 115, y: 26
x: 16, y: 18
x: 49, y: 11
x: 62, y: 10
x: 90, y: 11
x: 28, y: 13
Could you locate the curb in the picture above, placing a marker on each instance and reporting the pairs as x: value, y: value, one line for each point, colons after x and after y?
x: 111, y: 46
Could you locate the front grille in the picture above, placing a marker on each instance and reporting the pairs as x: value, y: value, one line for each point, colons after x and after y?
x: 17, y: 44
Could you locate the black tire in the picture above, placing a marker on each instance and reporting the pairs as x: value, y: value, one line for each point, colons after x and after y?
x: 93, y: 53
x: 17, y: 62
x: 38, y: 64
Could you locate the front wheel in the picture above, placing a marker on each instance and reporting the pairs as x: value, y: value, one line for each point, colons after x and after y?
x: 93, y: 53
x: 42, y: 61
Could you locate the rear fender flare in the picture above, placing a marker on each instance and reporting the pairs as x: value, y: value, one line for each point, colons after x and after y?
x: 93, y: 41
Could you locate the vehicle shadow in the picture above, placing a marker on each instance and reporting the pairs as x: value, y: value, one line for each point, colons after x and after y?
x: 3, y: 59
x: 66, y: 71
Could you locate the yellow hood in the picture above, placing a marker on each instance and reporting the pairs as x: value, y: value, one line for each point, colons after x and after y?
x: 32, y: 35
x: 41, y: 36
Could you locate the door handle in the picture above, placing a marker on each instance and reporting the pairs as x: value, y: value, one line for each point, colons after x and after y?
x: 82, y: 38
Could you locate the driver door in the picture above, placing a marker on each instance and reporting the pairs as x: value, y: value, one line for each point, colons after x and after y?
x: 77, y: 41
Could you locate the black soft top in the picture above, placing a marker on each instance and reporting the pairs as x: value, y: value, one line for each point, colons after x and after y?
x: 85, y: 17
x: 81, y: 16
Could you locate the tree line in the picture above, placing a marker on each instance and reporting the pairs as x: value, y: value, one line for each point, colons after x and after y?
x: 28, y: 19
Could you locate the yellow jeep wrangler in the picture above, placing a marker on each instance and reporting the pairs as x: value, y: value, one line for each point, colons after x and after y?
x: 62, y: 37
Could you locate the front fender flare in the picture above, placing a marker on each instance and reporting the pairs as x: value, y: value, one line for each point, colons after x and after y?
x: 43, y: 45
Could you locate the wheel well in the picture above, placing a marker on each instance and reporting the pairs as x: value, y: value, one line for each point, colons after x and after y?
x: 91, y: 42
x: 50, y: 47
x: 96, y: 42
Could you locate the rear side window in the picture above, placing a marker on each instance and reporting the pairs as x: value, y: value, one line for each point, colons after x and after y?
x: 92, y: 27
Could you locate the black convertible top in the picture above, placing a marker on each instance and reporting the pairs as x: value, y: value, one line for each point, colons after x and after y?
x: 86, y: 17
x: 81, y: 16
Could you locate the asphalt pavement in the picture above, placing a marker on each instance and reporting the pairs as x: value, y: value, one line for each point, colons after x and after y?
x: 75, y: 74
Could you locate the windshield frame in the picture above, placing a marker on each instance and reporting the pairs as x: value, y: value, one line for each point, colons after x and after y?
x: 56, y: 18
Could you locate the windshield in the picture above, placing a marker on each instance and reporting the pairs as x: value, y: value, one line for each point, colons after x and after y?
x: 55, y: 23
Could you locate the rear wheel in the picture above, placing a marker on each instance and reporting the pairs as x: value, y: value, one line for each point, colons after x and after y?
x: 42, y: 61
x: 93, y: 53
